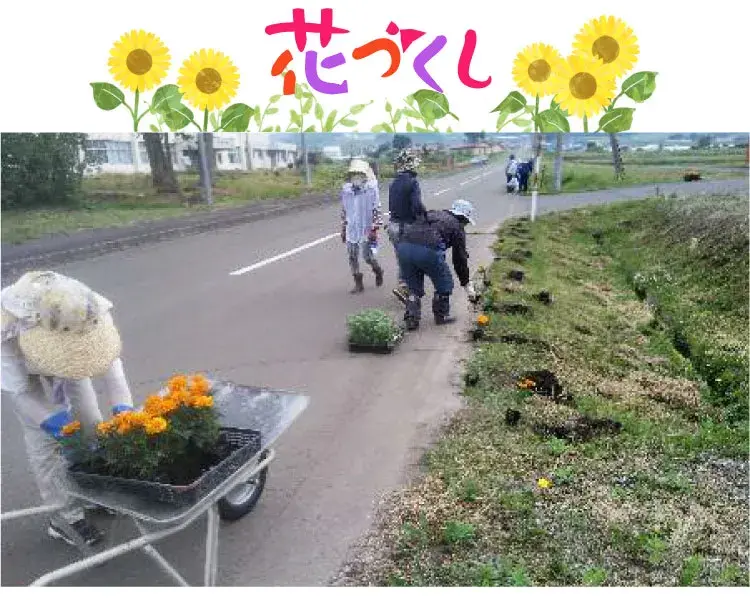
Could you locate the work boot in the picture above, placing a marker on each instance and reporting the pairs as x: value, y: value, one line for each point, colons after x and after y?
x: 378, y: 270
x: 413, y: 312
x: 82, y: 531
x: 402, y: 293
x: 441, y: 308
x: 359, y: 285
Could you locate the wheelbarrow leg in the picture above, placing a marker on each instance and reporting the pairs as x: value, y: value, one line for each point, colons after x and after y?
x: 212, y: 546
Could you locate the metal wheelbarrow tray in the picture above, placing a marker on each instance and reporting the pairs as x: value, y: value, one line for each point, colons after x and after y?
x: 265, y: 411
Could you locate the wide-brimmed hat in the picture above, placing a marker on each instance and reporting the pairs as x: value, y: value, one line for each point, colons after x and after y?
x: 359, y: 166
x: 64, y: 328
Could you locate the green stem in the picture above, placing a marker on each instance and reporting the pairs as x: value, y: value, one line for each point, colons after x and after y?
x: 147, y: 111
x: 205, y: 119
x: 196, y: 124
x: 135, y: 111
x: 585, y: 124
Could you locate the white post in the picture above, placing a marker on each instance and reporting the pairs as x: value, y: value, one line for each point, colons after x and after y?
x: 534, y: 192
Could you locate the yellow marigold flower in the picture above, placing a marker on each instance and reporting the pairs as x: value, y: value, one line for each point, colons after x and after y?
x: 199, y: 385
x: 156, y: 425
x: 178, y: 383
x: 105, y: 427
x: 153, y: 404
x: 71, y: 428
x: 544, y: 483
x: 483, y: 320
x: 202, y: 402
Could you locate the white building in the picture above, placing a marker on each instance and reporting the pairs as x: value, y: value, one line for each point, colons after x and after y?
x: 333, y: 152
x: 126, y: 152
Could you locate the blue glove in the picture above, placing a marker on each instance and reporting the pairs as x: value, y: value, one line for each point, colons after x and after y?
x: 53, y: 425
x: 120, y: 408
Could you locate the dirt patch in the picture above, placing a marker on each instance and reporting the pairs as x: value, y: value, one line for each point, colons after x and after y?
x: 516, y: 275
x: 545, y: 383
x: 514, y: 338
x: 580, y: 429
x: 514, y: 308
x: 544, y: 297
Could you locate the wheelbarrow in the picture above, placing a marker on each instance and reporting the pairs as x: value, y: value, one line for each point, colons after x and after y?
x: 231, y: 497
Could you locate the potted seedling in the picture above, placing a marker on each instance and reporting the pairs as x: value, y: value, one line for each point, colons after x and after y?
x: 373, y: 330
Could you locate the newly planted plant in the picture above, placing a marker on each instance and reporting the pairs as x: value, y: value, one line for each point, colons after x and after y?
x: 373, y: 327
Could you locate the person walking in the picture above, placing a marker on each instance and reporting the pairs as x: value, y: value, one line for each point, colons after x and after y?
x: 405, y: 205
x: 360, y: 221
x: 422, y: 251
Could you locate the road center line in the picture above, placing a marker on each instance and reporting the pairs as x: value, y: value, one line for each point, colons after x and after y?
x: 442, y: 191
x: 284, y: 255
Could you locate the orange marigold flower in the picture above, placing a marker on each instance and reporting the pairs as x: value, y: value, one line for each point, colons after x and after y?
x: 177, y: 383
x: 483, y: 320
x: 202, y: 402
x: 179, y: 397
x: 71, y: 428
x: 199, y: 385
x: 156, y: 425
x: 105, y: 427
x: 153, y: 404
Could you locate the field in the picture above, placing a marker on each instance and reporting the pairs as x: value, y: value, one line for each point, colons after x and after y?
x: 605, y: 437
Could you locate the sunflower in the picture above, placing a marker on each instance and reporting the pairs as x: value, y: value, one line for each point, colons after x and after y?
x: 610, y: 40
x: 208, y: 79
x: 534, y: 68
x: 584, y: 86
x: 139, y: 60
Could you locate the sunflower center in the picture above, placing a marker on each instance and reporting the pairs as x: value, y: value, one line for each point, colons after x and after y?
x: 208, y: 80
x: 606, y: 48
x: 139, y: 62
x: 583, y: 86
x: 540, y: 70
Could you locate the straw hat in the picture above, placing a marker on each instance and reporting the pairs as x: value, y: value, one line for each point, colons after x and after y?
x: 67, y: 331
x: 359, y: 166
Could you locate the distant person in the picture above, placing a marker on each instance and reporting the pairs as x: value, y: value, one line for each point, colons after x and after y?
x: 405, y: 205
x: 421, y: 251
x: 524, y: 173
x: 360, y: 221
x: 511, y: 167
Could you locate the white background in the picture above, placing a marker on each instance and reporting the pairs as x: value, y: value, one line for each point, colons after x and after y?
x: 51, y: 51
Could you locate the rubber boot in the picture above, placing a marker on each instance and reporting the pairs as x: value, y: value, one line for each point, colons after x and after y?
x: 359, y: 285
x: 441, y: 308
x: 378, y: 270
x: 413, y: 313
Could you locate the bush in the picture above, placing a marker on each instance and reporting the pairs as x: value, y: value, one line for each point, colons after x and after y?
x: 41, y: 169
x: 373, y: 328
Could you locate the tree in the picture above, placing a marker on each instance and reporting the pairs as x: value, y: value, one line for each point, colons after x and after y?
x: 160, y: 161
x: 474, y: 138
x: 558, y: 161
x: 401, y: 141
x: 43, y: 169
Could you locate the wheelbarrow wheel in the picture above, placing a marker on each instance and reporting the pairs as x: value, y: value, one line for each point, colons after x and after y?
x: 243, y: 498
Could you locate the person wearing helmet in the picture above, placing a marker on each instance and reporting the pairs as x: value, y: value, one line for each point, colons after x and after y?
x: 404, y: 205
x: 421, y: 251
x: 360, y: 221
x: 57, y: 334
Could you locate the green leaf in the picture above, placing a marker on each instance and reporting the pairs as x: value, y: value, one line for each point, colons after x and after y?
x: 295, y: 117
x: 411, y: 113
x: 307, y: 106
x: 274, y: 99
x: 432, y: 105
x: 555, y: 106
x: 502, y: 116
x: 409, y: 126
x: 310, y: 129
x: 397, y: 115
x: 272, y: 111
x: 410, y: 100
x: 277, y: 129
x: 617, y: 120
x: 256, y: 115
x: 319, y: 112
x: 382, y: 128
x: 293, y: 130
x: 449, y: 130
x: 330, y: 121
x: 154, y: 128
x: 450, y: 114
x: 213, y: 120
x: 527, y: 130
x: 358, y: 108
x: 236, y: 118
x: 514, y: 102
x: 307, y: 95
x: 640, y: 86
x: 107, y: 96
x: 166, y: 97
x: 268, y: 129
x: 421, y: 129
x: 521, y: 122
x: 348, y: 122
x: 178, y: 117
x: 388, y: 107
x: 553, y: 121
x: 298, y: 91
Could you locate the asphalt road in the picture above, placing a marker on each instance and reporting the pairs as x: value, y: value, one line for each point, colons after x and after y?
x: 279, y: 321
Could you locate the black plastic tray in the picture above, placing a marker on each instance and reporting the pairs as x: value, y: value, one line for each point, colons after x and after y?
x: 377, y: 348
x: 243, y: 444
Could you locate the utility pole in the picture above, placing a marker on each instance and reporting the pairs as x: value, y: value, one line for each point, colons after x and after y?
x: 205, y: 171
x: 308, y: 178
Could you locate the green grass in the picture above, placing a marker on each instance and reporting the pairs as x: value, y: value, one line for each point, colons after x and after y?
x: 589, y: 176
x: 661, y: 503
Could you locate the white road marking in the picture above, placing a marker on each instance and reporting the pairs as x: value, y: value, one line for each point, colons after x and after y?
x: 470, y: 180
x: 442, y: 191
x: 284, y: 255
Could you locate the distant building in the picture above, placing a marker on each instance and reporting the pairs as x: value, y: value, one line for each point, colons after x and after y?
x: 126, y: 152
x: 333, y: 152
